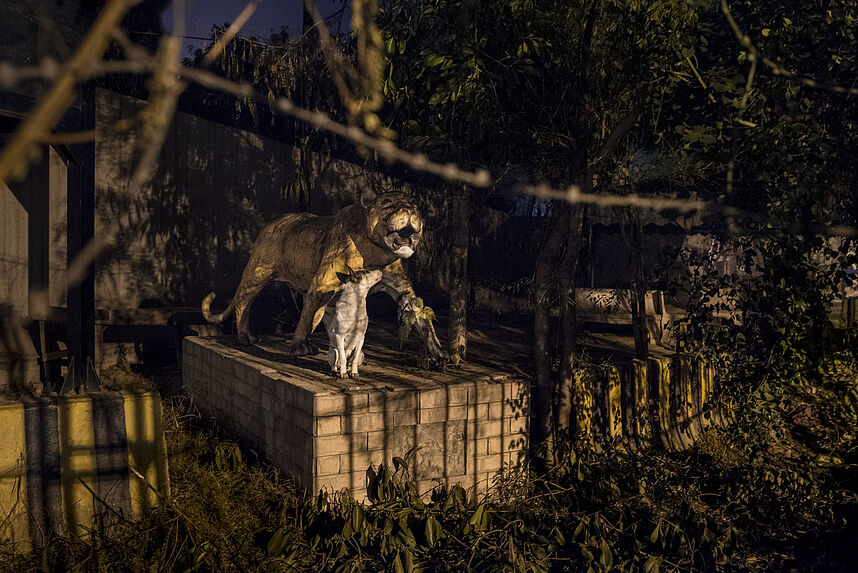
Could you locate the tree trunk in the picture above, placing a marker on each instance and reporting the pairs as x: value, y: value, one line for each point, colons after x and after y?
x: 459, y: 291
x: 542, y: 427
x: 569, y: 320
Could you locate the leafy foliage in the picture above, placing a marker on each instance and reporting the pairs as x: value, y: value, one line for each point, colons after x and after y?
x: 409, y: 314
x: 613, y: 511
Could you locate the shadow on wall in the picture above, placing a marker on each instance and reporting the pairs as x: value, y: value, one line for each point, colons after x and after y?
x: 190, y: 229
x: 18, y: 361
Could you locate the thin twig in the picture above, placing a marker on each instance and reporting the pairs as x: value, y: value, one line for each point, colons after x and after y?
x: 776, y: 68
x: 386, y: 148
x: 699, y: 77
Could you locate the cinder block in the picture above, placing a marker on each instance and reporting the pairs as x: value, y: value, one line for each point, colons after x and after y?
x: 515, y: 390
x: 327, y: 465
x: 460, y: 394
x: 330, y: 405
x: 486, y: 429
x: 514, y: 442
x: 328, y: 425
x: 381, y: 401
x: 434, y: 398
x: 495, y: 410
x: 495, y: 445
x: 280, y: 391
x: 394, y: 441
x: 357, y: 402
x: 481, y: 411
x: 404, y: 418
x: 516, y: 425
x: 368, y: 422
x: 338, y: 482
x: 488, y: 463
x: 481, y: 446
x: 328, y: 445
x: 360, y: 461
x: 489, y: 393
x: 303, y: 421
x: 305, y: 401
x: 432, y: 415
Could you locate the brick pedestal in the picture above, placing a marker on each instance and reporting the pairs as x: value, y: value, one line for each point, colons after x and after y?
x: 465, y: 424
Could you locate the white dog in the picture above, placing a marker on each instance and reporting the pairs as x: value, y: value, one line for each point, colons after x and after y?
x: 346, y: 322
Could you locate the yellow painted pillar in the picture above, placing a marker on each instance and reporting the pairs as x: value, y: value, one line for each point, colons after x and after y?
x: 14, y: 523
x: 584, y: 406
x: 147, y: 450
x: 78, y: 470
x: 642, y: 426
x: 686, y: 407
x: 659, y: 378
x: 613, y: 406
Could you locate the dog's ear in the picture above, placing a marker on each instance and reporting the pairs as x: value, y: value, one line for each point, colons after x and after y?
x: 367, y: 196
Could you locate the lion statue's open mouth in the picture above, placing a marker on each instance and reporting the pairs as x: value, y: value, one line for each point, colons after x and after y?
x: 403, y: 242
x: 404, y: 227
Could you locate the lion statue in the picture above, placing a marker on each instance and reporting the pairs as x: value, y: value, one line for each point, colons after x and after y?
x: 307, y: 251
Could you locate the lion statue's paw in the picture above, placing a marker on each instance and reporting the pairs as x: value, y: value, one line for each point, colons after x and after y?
x: 438, y: 360
x: 303, y: 348
x: 247, y: 339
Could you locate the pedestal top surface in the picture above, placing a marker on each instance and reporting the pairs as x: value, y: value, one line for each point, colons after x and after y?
x: 388, y: 364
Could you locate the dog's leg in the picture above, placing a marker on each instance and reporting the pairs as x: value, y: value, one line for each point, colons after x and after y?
x: 342, y: 359
x: 357, y: 354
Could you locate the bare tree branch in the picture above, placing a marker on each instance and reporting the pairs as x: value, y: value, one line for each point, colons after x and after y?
x: 21, y: 151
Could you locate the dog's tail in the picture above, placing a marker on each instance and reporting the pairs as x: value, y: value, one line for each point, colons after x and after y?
x: 215, y: 318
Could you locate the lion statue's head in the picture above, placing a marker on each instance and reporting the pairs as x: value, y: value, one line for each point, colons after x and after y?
x: 393, y: 221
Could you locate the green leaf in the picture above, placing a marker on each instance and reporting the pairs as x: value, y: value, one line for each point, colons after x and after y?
x: 478, y: 520
x: 432, y: 528
x: 357, y: 517
x: 766, y: 32
x: 607, y: 558
x: 407, y: 561
x: 405, y: 532
x: 277, y: 543
x: 653, y: 537
x: 652, y: 564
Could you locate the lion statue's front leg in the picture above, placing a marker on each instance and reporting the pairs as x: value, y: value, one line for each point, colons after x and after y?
x: 394, y: 283
x: 311, y: 315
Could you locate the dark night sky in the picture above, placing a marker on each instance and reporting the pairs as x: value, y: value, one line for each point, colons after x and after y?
x: 270, y: 16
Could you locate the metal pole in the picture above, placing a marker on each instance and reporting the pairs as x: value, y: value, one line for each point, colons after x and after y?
x: 81, y: 228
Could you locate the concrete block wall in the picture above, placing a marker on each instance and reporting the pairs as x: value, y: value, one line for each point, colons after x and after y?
x: 327, y: 434
x: 70, y: 461
x: 662, y: 401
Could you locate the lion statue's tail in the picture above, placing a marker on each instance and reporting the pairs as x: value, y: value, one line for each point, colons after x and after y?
x: 215, y: 318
